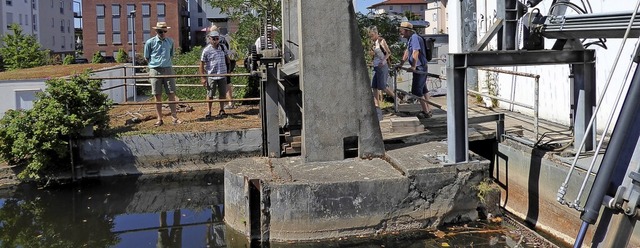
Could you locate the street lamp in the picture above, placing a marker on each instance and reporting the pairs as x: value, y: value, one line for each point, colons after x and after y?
x: 132, y: 15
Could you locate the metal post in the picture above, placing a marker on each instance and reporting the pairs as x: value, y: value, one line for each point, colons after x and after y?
x: 458, y: 145
x: 132, y: 15
x: 536, y: 101
x: 584, y: 103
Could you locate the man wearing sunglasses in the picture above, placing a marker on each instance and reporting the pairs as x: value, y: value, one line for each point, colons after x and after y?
x: 158, y: 51
x: 214, y: 60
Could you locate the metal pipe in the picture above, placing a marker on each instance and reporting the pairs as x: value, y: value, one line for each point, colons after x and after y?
x: 174, y: 76
x: 581, y: 233
x: 517, y: 73
x: 501, y: 99
x: 536, y: 105
x: 604, y: 133
x: 563, y: 188
x: 191, y: 101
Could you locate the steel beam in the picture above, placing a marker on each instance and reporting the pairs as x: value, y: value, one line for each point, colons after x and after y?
x: 583, y: 105
x: 524, y: 58
x: 457, y: 134
x: 269, y: 111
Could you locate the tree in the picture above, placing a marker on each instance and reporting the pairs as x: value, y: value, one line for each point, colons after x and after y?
x: 20, y: 50
x: 387, y: 28
x: 97, y: 58
x: 38, y: 139
x: 410, y: 15
x: 122, y: 56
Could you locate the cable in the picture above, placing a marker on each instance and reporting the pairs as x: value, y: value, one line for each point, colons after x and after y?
x: 568, y: 4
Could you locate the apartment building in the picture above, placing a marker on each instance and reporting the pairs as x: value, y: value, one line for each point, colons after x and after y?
x: 436, y: 14
x: 107, y: 24
x: 399, y: 7
x: 50, y: 21
x: 202, y: 16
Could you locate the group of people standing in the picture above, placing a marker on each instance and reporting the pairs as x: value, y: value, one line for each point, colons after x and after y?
x: 414, y: 54
x: 159, y: 50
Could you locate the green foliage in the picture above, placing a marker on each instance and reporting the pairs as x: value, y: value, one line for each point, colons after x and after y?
x: 485, y: 188
x: 20, y: 50
x: 191, y: 58
x: 68, y: 60
x: 39, y: 138
x: 122, y: 56
x: 54, y: 59
x: 97, y: 58
x: 249, y: 25
x: 387, y: 28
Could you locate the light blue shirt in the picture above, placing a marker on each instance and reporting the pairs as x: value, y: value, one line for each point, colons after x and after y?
x: 158, y: 52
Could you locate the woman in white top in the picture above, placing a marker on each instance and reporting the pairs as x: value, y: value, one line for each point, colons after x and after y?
x: 380, y: 52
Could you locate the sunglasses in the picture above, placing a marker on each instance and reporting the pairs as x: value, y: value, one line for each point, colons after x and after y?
x: 215, y: 38
x: 160, y: 31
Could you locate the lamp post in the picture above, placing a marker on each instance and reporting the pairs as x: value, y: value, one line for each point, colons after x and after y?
x: 132, y: 15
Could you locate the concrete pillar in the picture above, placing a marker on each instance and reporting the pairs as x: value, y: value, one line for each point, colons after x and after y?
x: 336, y: 95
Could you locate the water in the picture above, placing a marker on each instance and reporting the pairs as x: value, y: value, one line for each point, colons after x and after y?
x: 184, y: 210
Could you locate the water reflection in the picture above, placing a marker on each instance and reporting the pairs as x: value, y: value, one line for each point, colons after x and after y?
x: 171, y: 211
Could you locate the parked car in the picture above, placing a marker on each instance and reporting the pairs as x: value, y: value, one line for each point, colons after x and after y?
x: 109, y: 59
x: 80, y: 61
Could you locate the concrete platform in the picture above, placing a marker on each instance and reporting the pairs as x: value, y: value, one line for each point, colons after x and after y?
x: 286, y: 200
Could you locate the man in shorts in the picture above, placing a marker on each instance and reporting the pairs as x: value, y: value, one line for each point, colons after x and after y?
x: 418, y: 61
x: 158, y: 51
x: 214, y: 61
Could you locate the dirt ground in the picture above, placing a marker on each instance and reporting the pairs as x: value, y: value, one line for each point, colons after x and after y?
x: 140, y: 119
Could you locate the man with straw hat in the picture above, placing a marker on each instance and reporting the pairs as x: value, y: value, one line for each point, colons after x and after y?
x: 416, y: 55
x: 158, y: 51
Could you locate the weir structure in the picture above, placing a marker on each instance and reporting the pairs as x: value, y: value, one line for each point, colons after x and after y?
x: 317, y: 102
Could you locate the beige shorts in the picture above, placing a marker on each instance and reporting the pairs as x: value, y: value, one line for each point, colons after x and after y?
x: 157, y: 84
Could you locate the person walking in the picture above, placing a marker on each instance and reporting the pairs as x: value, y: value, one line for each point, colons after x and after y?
x: 416, y: 55
x: 158, y: 51
x: 380, y: 52
x: 214, y: 61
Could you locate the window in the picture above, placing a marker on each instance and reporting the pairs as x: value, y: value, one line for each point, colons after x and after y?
x: 100, y: 10
x: 199, y: 3
x: 115, y: 10
x: 64, y: 41
x: 405, y: 8
x: 9, y: 2
x: 100, y: 25
x: 435, y: 17
x: 146, y: 10
x: 101, y: 39
x: 68, y: 26
x: 199, y: 22
x: 34, y: 21
x: 161, y: 10
x: 62, y: 26
x: 61, y: 7
x: 53, y: 39
x: 116, y: 38
x: 390, y: 7
x: 115, y: 24
x: 20, y: 19
x: 161, y: 19
x: 421, y: 7
x: 435, y: 31
x: 146, y: 35
x: 33, y: 4
x: 26, y: 19
x: 9, y: 19
x: 130, y: 7
x: 146, y: 24
x: 52, y: 4
x: 52, y: 21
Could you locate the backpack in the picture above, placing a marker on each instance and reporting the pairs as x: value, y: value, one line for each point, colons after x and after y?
x: 427, y: 44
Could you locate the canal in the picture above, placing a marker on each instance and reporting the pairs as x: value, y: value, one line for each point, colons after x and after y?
x: 180, y: 210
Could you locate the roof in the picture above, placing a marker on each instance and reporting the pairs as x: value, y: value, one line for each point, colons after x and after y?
x: 398, y: 2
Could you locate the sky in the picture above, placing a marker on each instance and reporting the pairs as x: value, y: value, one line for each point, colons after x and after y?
x: 361, y: 5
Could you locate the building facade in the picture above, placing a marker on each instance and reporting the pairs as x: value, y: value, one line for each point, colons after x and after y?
x: 50, y: 21
x: 202, y: 16
x: 107, y: 24
x: 436, y: 14
x: 400, y: 7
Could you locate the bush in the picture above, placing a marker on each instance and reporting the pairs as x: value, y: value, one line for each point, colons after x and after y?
x: 69, y: 59
x: 122, y: 56
x: 97, y: 58
x: 39, y: 138
x: 20, y: 50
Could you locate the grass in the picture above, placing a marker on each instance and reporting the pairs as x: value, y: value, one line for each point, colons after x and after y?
x: 51, y: 71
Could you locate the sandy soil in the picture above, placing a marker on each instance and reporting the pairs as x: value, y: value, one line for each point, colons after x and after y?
x: 138, y: 119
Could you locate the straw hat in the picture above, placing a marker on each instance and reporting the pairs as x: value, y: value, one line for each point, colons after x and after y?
x: 161, y: 25
x: 406, y: 25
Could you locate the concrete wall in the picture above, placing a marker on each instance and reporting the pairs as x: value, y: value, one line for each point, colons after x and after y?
x: 554, y: 81
x: 169, y: 146
x: 530, y: 181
